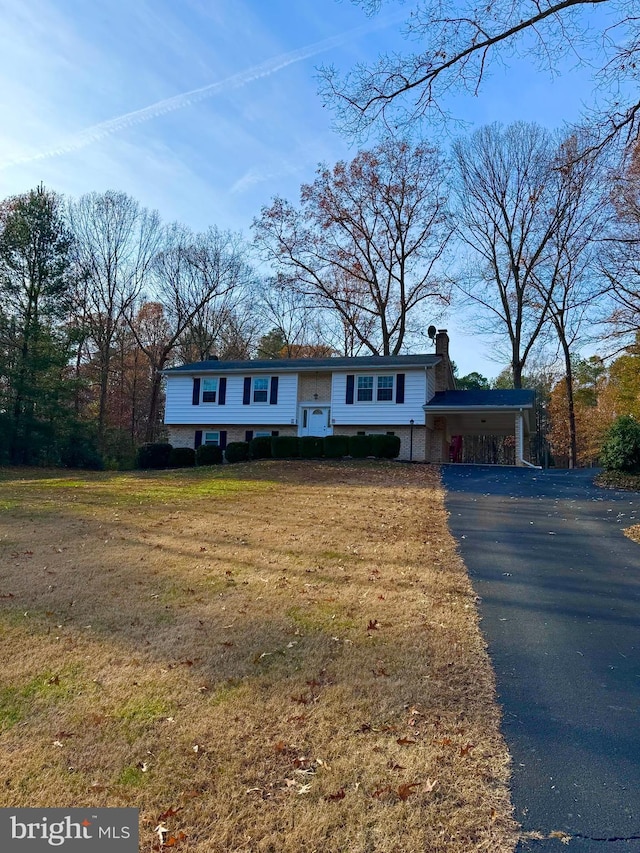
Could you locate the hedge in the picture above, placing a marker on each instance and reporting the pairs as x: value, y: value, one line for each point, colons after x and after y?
x: 209, y: 454
x: 285, y: 447
x: 260, y: 447
x: 311, y: 447
x: 153, y: 455
x: 237, y: 451
x: 182, y: 457
x: 360, y: 446
x: 385, y: 446
x: 335, y: 446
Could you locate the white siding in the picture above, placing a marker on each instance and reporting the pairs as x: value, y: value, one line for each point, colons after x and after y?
x: 380, y: 414
x: 431, y: 384
x: 180, y: 410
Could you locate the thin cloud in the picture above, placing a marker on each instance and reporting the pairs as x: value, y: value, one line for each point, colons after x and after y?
x: 236, y: 81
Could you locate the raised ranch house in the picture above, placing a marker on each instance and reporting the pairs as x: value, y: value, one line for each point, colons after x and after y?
x: 411, y: 396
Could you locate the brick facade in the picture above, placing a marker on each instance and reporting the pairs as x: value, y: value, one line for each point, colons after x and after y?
x: 310, y: 384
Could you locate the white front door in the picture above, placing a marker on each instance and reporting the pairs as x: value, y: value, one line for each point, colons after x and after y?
x: 315, y: 421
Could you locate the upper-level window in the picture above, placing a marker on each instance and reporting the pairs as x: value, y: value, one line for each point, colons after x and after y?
x: 365, y: 389
x: 375, y: 389
x: 385, y: 388
x: 209, y: 390
x: 260, y: 389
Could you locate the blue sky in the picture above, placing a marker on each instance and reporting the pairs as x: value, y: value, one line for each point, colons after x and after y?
x: 206, y: 109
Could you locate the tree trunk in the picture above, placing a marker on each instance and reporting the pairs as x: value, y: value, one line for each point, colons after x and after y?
x: 573, y: 440
x: 154, y: 403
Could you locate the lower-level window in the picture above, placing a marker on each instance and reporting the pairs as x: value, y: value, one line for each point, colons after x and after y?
x: 211, y: 438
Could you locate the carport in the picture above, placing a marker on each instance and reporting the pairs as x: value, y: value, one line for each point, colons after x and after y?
x: 453, y: 416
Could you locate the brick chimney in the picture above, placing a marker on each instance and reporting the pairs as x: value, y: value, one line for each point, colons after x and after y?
x: 444, y: 373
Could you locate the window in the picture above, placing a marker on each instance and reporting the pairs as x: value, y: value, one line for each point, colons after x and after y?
x: 262, y: 434
x: 260, y: 389
x: 212, y: 437
x: 365, y: 389
x: 385, y: 389
x: 209, y: 390
x: 375, y: 389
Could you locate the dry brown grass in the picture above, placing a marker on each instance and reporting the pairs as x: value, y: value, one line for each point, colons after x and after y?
x: 273, y: 657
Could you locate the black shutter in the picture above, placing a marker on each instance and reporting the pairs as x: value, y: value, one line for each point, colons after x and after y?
x: 246, y: 394
x: 248, y: 435
x: 273, y: 394
x: 400, y: 388
x: 195, y: 395
x: 275, y: 432
x: 351, y: 381
x: 198, y: 439
x: 222, y: 391
x: 223, y: 438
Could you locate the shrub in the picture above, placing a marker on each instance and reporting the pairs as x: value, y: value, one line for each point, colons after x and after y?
x: 182, y: 457
x: 82, y: 456
x: 385, y: 446
x: 360, y: 446
x: 260, y: 447
x: 311, y: 447
x: 335, y: 446
x: 285, y: 447
x: 237, y: 451
x: 209, y: 454
x: 154, y: 455
x: 621, y: 449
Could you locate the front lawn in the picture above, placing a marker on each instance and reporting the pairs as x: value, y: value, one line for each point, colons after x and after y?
x: 277, y: 657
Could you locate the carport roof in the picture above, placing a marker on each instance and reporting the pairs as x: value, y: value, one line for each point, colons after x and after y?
x: 501, y: 400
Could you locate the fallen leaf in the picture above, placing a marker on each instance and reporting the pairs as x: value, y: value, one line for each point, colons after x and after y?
x: 170, y: 812
x: 465, y: 750
x: 380, y: 792
x: 430, y: 784
x: 405, y: 741
x: 339, y: 795
x: 373, y: 625
x: 405, y: 790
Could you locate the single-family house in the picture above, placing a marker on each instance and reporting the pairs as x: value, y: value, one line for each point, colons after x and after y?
x: 411, y: 396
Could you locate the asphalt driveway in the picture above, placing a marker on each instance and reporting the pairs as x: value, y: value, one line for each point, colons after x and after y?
x: 560, y: 602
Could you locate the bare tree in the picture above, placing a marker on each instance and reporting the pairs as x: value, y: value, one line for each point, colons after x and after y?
x: 460, y: 42
x: 115, y: 242
x: 620, y: 261
x: 190, y: 273
x: 366, y: 241
x: 508, y: 218
x: 568, y: 271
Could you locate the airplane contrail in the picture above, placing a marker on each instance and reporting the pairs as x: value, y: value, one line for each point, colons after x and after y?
x: 105, y: 128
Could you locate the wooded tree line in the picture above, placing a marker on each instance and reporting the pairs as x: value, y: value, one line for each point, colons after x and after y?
x: 534, y: 235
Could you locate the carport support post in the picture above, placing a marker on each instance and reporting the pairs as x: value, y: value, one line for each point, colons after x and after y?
x: 411, y: 422
x: 519, y: 438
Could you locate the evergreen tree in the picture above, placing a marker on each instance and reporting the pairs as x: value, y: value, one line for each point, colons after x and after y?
x: 34, y: 343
